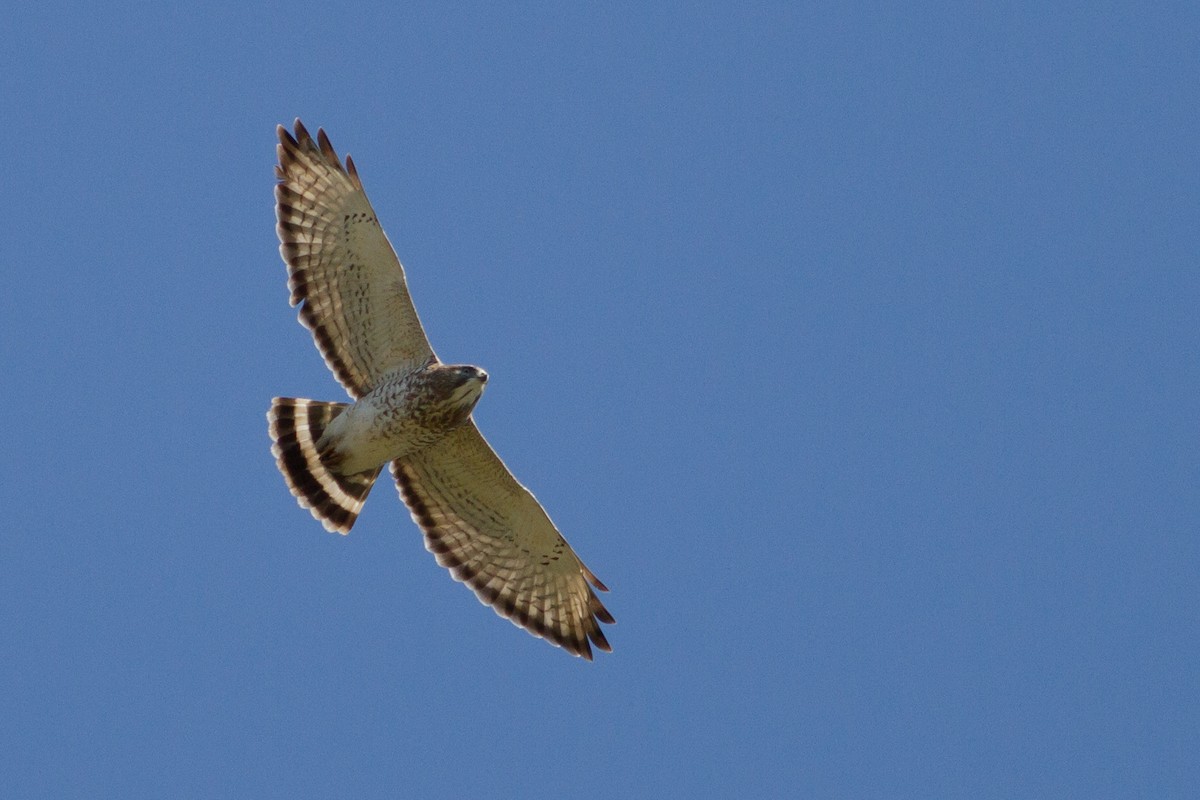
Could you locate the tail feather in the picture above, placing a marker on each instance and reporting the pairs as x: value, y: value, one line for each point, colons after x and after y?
x: 295, y: 426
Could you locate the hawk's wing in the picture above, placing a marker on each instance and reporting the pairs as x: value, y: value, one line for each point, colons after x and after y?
x: 341, y: 266
x: 494, y: 536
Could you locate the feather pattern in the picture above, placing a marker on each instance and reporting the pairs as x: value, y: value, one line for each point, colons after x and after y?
x: 295, y: 425
x: 493, y: 535
x: 342, y: 270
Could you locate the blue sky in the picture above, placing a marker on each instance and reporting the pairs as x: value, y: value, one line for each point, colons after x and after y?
x: 853, y: 345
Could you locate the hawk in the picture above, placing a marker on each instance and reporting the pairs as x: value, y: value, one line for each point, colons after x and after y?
x: 411, y: 413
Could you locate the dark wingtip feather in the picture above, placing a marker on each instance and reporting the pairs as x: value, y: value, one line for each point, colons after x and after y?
x: 302, y: 134
x: 592, y: 579
x: 597, y: 637
x: 285, y: 138
x: 599, y: 611
x: 327, y: 148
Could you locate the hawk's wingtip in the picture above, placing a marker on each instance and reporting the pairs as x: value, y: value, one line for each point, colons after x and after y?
x: 326, y: 148
x: 592, y: 579
x: 286, y: 139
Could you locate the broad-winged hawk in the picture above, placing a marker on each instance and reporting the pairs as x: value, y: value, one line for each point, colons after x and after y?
x: 411, y: 412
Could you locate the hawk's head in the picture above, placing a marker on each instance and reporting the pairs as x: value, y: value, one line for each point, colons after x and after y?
x: 452, y: 390
x: 468, y: 383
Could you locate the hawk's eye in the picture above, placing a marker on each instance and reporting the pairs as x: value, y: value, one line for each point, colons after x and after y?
x: 469, y: 372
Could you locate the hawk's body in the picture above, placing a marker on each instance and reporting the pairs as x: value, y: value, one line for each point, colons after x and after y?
x: 408, y: 411
x: 412, y: 413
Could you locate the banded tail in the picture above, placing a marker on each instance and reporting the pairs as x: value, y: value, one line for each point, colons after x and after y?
x: 295, y: 427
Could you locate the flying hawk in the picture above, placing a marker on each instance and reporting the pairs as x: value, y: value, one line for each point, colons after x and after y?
x: 410, y: 412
